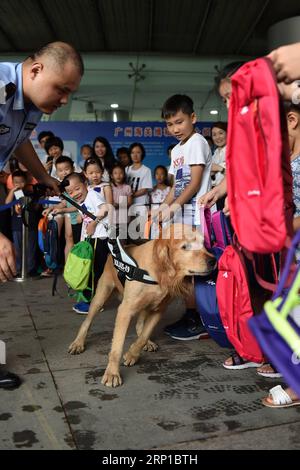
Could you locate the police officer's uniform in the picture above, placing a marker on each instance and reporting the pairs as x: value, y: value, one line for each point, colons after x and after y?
x: 17, y: 119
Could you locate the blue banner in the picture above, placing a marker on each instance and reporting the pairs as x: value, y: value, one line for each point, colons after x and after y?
x: 153, y: 135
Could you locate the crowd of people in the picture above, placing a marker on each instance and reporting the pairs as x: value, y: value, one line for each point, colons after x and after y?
x: 101, y: 180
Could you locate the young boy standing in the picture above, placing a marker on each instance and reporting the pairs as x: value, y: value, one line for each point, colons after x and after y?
x: 190, y: 166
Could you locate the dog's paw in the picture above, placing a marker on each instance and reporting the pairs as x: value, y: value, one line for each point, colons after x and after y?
x: 150, y: 346
x: 111, y: 380
x: 76, y: 348
x: 129, y: 359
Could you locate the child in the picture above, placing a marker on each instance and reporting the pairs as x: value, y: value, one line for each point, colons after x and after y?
x: 86, y: 152
x: 293, y: 125
x: 96, y: 203
x: 162, y: 188
x: 64, y: 212
x: 158, y: 195
x: 122, y: 199
x: 102, y: 149
x: 191, y: 166
x: 19, y: 182
x: 30, y: 180
x: 93, y: 171
x: 123, y: 157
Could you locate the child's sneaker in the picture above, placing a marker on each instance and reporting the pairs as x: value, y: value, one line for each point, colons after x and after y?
x: 187, y: 328
x: 82, y: 308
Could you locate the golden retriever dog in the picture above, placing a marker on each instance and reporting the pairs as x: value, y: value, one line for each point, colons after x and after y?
x: 171, y: 260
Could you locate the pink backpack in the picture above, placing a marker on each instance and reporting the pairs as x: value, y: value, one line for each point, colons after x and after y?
x: 258, y: 164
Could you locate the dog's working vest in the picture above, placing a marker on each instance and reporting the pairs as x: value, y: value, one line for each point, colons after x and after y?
x: 126, y: 266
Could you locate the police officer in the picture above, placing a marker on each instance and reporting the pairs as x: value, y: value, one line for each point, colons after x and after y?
x: 40, y: 84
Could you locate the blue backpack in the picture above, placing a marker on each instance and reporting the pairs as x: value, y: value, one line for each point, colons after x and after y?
x: 219, y: 236
x: 51, y: 245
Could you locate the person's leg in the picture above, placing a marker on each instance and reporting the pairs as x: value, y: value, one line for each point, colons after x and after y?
x: 101, y: 252
x: 68, y: 235
x: 280, y: 398
x: 268, y: 370
x: 17, y: 240
x: 32, y: 251
x: 76, y: 231
x: 237, y: 362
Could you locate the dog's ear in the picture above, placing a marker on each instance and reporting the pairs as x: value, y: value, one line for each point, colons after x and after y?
x: 167, y: 274
x: 163, y: 260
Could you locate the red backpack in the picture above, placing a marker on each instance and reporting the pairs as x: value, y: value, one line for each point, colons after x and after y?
x: 241, y: 290
x: 258, y: 170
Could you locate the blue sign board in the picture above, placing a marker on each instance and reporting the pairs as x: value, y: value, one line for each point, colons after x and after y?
x: 153, y: 135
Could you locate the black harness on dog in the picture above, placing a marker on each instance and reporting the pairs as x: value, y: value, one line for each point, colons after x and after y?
x: 126, y: 266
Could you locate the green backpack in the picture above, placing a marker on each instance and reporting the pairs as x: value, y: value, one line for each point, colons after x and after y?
x: 78, y: 267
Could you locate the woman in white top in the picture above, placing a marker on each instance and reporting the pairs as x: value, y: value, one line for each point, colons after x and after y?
x: 140, y: 179
x: 102, y: 149
x: 219, y: 137
x: 139, y: 176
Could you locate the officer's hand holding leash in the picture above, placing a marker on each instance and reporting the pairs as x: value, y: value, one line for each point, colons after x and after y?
x: 52, y: 184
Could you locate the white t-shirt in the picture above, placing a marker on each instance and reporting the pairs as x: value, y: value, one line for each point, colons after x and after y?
x: 92, y: 203
x: 157, y: 196
x: 140, y: 179
x: 219, y: 158
x: 195, y: 151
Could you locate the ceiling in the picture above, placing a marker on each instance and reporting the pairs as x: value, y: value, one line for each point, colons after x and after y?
x: 179, y: 41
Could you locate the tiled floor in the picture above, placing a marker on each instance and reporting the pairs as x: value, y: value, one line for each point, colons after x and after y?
x: 177, y: 398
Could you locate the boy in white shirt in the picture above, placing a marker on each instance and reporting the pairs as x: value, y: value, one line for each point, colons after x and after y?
x: 191, y: 166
